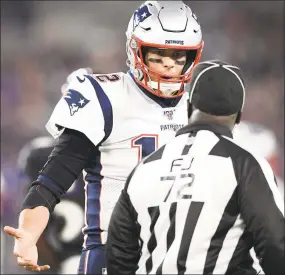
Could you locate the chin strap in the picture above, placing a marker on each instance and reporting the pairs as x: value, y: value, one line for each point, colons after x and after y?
x: 167, y: 89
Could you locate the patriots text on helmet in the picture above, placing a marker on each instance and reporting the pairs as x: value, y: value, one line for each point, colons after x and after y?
x: 179, y: 42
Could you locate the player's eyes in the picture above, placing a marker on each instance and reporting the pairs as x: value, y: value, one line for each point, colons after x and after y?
x: 179, y: 54
x: 174, y: 55
x: 158, y: 52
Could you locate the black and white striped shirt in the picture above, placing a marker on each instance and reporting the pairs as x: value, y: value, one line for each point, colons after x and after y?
x: 197, y: 206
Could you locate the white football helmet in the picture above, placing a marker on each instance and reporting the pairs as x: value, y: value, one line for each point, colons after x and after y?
x: 164, y: 25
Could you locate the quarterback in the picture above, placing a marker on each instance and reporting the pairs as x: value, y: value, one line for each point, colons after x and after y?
x: 105, y: 123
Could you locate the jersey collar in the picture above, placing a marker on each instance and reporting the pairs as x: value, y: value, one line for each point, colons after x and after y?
x: 213, y: 127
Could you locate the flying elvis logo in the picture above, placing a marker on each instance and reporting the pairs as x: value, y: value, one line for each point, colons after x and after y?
x: 140, y: 15
x: 75, y: 101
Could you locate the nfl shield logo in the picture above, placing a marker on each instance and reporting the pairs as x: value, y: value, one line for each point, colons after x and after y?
x: 169, y: 114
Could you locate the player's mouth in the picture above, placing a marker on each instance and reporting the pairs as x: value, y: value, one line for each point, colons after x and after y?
x: 156, y: 77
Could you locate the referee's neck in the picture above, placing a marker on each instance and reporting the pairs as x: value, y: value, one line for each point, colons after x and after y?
x: 198, y: 116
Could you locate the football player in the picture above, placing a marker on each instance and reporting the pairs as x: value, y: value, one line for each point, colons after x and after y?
x: 105, y: 124
x: 61, y: 242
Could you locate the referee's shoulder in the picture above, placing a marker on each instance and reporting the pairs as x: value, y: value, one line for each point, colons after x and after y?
x: 244, y: 155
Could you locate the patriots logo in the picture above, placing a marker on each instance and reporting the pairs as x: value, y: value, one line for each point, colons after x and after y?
x: 75, y: 101
x: 140, y: 15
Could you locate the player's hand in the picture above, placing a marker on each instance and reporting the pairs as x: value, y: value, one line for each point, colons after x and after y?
x: 25, y: 249
x: 79, y: 72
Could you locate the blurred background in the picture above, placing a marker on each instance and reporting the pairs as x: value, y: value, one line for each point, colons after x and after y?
x: 44, y: 41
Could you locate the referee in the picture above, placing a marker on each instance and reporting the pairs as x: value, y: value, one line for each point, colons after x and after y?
x: 198, y: 204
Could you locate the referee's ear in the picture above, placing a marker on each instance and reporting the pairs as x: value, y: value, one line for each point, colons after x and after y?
x: 190, y: 109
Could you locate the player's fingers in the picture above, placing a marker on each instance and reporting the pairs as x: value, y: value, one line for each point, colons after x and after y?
x: 25, y: 262
x: 12, y: 232
x: 17, y: 254
x: 37, y: 268
x: 31, y: 268
x: 43, y: 267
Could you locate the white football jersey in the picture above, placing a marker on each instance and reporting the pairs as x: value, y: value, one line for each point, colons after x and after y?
x: 126, y: 124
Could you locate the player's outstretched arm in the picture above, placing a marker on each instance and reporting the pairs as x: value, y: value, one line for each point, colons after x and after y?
x: 32, y: 223
x: 66, y: 162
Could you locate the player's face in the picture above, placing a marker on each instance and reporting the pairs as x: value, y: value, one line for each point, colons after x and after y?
x: 165, y: 61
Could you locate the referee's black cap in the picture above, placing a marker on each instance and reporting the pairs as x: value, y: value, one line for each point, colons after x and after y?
x: 217, y: 88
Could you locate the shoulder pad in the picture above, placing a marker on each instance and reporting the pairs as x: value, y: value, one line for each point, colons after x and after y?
x: 85, y: 107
